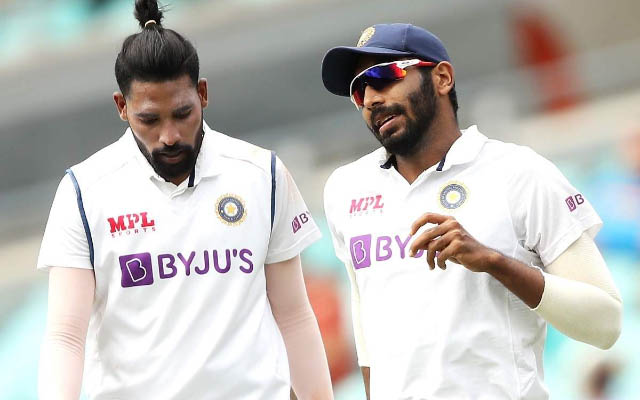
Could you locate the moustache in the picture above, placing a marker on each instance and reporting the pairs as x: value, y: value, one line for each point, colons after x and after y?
x: 396, y: 109
x: 172, y: 151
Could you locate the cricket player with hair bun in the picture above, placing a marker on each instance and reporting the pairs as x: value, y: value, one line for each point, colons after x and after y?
x: 173, y: 253
x: 460, y: 249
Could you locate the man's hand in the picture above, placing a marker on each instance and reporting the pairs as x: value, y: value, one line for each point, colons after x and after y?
x: 448, y: 240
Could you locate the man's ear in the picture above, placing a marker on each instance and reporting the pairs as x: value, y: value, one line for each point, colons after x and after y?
x: 443, y: 78
x: 203, y: 92
x: 121, y: 105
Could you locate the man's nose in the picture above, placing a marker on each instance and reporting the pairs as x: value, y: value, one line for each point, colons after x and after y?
x: 170, y: 135
x: 372, y: 97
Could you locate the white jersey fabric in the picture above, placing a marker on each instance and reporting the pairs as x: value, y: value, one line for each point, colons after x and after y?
x: 452, y: 334
x: 180, y: 309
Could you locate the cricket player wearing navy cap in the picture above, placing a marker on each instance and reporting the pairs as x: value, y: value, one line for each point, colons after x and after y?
x: 173, y: 253
x: 512, y: 238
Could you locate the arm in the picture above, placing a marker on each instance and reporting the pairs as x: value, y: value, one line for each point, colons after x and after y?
x: 293, y: 314
x: 580, y: 298
x: 71, y: 292
x: 577, y: 295
x: 365, y: 377
x: 358, y: 334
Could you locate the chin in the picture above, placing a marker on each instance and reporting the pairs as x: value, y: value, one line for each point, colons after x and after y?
x: 392, y: 137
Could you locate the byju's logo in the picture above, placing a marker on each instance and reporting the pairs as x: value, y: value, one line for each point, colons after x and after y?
x: 131, y: 223
x: 136, y: 270
x: 300, y: 220
x: 364, y: 205
x: 361, y: 251
x: 574, y: 204
x: 365, y: 248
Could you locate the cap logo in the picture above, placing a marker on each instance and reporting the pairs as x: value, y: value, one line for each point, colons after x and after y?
x: 366, y: 35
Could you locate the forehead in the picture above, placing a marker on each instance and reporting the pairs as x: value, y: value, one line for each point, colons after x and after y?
x: 166, y: 92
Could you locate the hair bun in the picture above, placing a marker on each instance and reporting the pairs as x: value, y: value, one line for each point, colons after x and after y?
x: 146, y: 11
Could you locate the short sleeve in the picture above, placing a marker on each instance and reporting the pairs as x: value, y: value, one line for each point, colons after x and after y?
x: 548, y: 213
x: 65, y: 242
x: 293, y: 227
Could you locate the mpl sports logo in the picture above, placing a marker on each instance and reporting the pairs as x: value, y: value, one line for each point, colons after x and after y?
x: 365, y: 248
x: 133, y: 223
x: 138, y: 269
x: 366, y: 205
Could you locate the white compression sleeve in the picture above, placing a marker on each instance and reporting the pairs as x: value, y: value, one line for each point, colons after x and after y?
x: 580, y: 298
x: 291, y: 309
x: 71, y: 292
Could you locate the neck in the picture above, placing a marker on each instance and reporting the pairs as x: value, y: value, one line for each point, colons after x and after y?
x: 178, y: 180
x: 434, y: 145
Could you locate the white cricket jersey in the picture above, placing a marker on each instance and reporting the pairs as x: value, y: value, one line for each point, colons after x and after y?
x: 452, y: 334
x: 180, y: 308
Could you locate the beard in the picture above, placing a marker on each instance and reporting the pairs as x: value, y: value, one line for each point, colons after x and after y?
x: 424, y: 106
x: 167, y: 170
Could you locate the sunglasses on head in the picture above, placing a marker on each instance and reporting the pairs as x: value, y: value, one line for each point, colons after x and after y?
x: 380, y: 75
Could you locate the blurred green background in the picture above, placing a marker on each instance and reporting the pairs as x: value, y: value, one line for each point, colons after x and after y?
x: 560, y: 76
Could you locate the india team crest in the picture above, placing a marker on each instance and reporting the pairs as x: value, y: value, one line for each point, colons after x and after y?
x: 453, y: 195
x: 231, y: 209
x: 366, y: 35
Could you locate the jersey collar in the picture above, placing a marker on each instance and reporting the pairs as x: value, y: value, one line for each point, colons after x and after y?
x: 465, y: 149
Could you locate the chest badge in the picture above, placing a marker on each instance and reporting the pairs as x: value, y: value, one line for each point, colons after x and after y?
x: 453, y: 195
x: 231, y: 209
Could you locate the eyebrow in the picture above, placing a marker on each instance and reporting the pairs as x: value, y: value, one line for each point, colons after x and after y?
x: 146, y: 115
x: 177, y: 111
x: 182, y: 109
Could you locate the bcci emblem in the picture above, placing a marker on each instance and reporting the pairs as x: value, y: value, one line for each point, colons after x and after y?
x: 453, y: 196
x: 231, y: 209
x: 366, y: 35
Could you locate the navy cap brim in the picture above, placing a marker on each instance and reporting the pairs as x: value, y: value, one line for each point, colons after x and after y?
x: 338, y: 65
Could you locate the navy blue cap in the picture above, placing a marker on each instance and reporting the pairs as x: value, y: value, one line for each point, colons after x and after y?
x: 338, y: 65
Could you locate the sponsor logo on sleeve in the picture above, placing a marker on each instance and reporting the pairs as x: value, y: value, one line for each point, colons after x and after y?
x: 574, y: 201
x: 300, y: 220
x: 133, y: 223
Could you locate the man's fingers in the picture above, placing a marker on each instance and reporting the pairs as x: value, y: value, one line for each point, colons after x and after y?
x: 425, y: 219
x: 423, y: 240
x: 443, y: 256
x: 450, y: 251
x: 434, y: 248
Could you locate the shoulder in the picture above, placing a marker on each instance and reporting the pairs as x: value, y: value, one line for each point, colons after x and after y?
x: 104, y: 162
x: 353, y: 179
x: 249, y: 155
x: 356, y: 171
x: 515, y: 160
